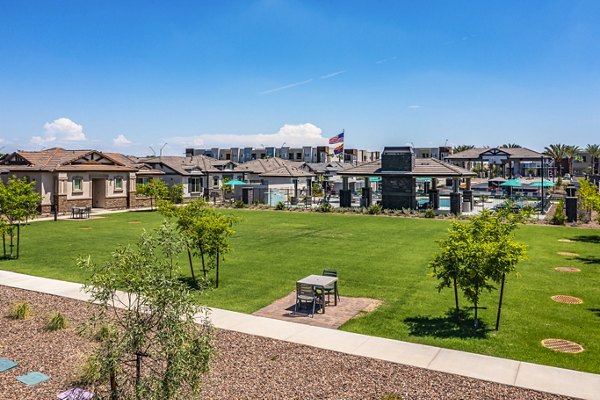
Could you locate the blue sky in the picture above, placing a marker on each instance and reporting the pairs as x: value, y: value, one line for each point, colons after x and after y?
x: 125, y: 75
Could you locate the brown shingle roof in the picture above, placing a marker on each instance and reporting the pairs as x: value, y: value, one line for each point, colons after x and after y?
x: 475, y: 153
x: 261, y: 166
x: 287, y: 171
x: 426, y: 167
x: 184, y: 165
x: 59, y: 159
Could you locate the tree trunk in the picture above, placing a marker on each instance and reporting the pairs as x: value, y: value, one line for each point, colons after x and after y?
x: 476, y: 323
x: 4, y: 243
x: 217, y: 284
x: 456, y: 300
x: 114, y: 394
x: 18, y: 238
x: 500, y: 302
x: 191, y: 264
x: 203, y: 262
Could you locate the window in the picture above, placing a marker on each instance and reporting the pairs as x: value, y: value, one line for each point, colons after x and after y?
x: 194, y: 185
x: 77, y: 184
x: 118, y: 183
x: 215, y: 181
x: 142, y: 180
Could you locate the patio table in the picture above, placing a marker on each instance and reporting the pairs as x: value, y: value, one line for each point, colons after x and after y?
x: 320, y: 282
x: 76, y: 212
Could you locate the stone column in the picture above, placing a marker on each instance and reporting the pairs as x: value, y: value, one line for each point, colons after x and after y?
x: 366, y: 193
x: 61, y: 190
x: 345, y: 194
x: 131, y: 191
x: 468, y: 193
x: 455, y: 198
x: 434, y: 194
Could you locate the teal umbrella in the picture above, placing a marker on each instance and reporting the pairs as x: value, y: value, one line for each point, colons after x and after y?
x: 234, y: 182
x: 375, y: 179
x: 512, y: 183
x: 543, y: 183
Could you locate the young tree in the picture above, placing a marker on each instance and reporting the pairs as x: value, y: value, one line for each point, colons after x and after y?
x: 155, y: 189
x: 594, y: 151
x: 478, y: 254
x: 589, y: 196
x: 18, y: 203
x: 155, y: 327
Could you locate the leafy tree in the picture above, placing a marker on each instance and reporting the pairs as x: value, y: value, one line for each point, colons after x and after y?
x: 510, y: 146
x: 557, y: 152
x: 205, y: 234
x: 463, y: 147
x: 155, y: 328
x: 594, y: 151
x: 155, y: 189
x: 589, y: 196
x: 18, y: 203
x: 572, y: 153
x: 176, y: 193
x: 478, y: 254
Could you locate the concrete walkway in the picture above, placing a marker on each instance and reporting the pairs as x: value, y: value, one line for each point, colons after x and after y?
x: 531, y: 376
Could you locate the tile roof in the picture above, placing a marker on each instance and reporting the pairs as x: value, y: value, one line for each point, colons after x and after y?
x: 475, y: 153
x: 287, y: 171
x: 59, y: 159
x: 426, y: 167
x: 185, y: 165
x: 333, y: 166
x: 261, y: 166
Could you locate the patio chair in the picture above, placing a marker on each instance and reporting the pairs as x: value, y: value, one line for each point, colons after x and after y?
x: 328, y: 289
x: 87, y: 211
x: 306, y: 294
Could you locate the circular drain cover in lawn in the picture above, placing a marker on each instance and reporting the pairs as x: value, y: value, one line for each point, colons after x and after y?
x: 135, y: 222
x: 86, y: 228
x: 566, y: 240
x: 564, y: 346
x: 559, y: 298
x: 567, y: 254
x: 567, y: 269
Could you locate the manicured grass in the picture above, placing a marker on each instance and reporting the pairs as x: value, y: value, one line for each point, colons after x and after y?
x: 380, y: 257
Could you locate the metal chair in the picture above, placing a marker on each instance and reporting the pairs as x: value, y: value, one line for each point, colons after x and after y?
x: 328, y: 289
x: 306, y: 294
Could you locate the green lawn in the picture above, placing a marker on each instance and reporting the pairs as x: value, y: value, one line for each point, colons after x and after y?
x: 378, y: 257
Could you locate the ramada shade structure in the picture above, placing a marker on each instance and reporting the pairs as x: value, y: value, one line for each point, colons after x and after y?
x: 399, y: 170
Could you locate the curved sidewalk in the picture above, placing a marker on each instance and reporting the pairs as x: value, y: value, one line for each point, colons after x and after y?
x: 509, y: 372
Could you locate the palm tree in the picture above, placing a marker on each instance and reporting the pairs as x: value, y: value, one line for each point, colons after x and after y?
x: 557, y: 153
x: 511, y: 146
x: 463, y: 147
x: 594, y: 151
x: 571, y: 153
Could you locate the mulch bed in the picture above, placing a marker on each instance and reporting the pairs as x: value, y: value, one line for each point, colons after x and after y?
x: 246, y: 367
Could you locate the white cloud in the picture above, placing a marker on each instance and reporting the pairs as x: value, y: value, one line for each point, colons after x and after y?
x: 60, y: 130
x: 292, y: 135
x: 121, y: 140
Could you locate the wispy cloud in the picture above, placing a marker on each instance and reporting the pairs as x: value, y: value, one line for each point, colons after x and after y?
x: 121, y: 140
x: 414, y: 107
x: 384, y: 60
x: 333, y: 74
x: 291, y: 85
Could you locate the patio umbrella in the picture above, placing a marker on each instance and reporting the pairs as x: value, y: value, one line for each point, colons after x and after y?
x: 497, y: 179
x: 234, y: 182
x: 512, y: 183
x: 543, y: 183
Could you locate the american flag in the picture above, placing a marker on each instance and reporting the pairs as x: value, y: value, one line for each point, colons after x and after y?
x: 337, y: 138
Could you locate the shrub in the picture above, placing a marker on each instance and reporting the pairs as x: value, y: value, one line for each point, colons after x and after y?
x: 375, y: 209
x: 324, y: 207
x: 239, y: 204
x: 91, y: 371
x: 56, y: 322
x: 559, y: 215
x: 391, y: 396
x: 429, y: 213
x: 280, y: 206
x: 21, y: 310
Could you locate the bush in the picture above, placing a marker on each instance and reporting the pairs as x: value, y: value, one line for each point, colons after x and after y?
x: 429, y: 213
x: 375, y: 209
x: 239, y: 204
x: 21, y: 310
x: 559, y: 214
x: 391, y: 396
x: 56, y: 322
x: 91, y: 371
x: 324, y: 207
x: 280, y: 206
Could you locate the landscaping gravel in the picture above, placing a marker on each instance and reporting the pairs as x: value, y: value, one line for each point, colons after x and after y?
x: 245, y: 367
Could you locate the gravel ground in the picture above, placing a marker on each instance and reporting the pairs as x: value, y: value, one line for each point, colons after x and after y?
x: 246, y: 367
